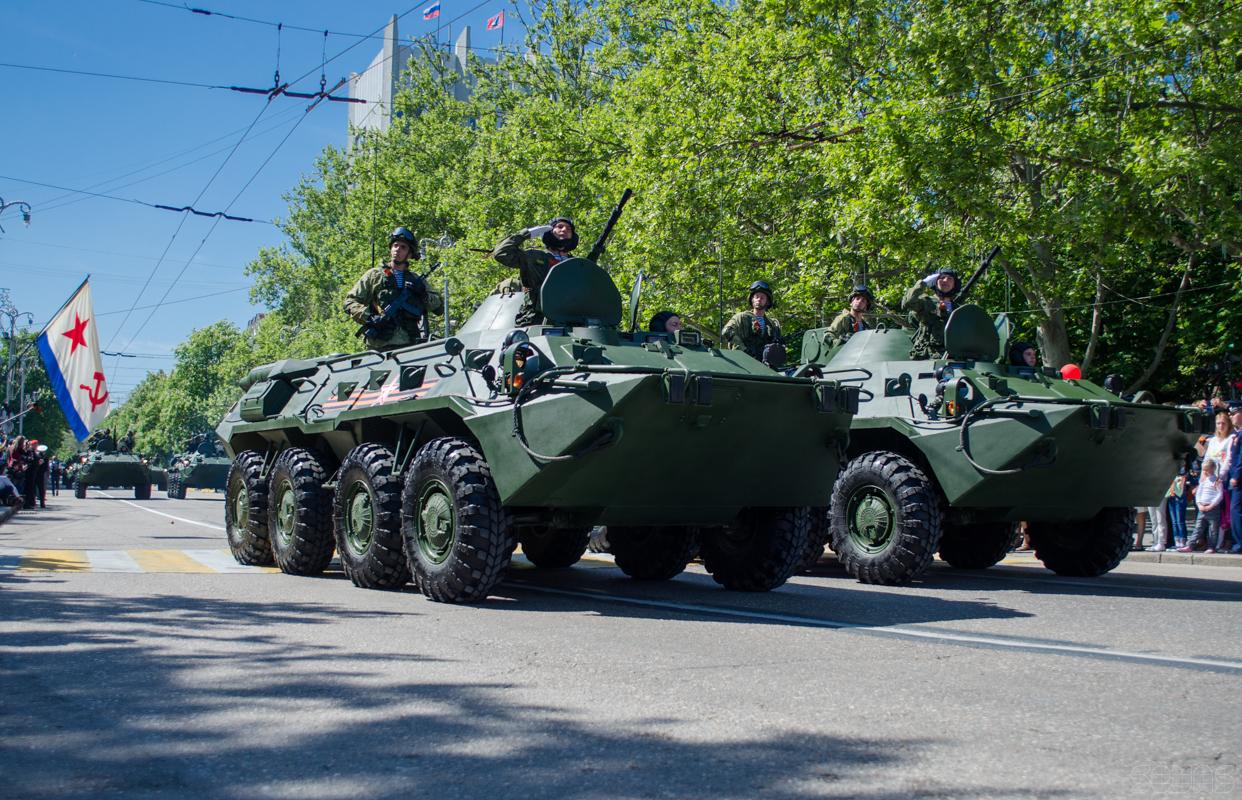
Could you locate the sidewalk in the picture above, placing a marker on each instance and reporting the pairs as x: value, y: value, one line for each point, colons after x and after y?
x: 1174, y: 557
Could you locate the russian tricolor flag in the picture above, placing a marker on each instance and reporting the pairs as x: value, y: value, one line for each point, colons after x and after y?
x: 432, y: 11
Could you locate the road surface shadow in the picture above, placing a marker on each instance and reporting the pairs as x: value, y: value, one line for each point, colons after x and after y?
x: 173, y: 697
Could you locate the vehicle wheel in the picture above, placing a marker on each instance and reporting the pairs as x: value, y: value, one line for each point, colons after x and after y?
x: 759, y: 551
x: 367, y: 519
x: 817, y: 539
x: 457, y: 537
x: 245, y: 510
x: 885, y: 519
x: 79, y: 489
x: 977, y: 546
x: 653, y: 553
x: 1084, y: 549
x: 300, y: 521
x: 142, y: 491
x: 554, y: 548
x: 176, y: 490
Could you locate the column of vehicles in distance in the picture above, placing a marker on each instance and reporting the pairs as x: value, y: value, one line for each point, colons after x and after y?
x: 202, y: 465
x: 947, y: 455
x: 104, y: 465
x: 434, y: 461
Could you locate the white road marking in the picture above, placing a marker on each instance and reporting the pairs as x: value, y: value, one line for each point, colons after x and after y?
x: 112, y: 561
x: 893, y: 630
x: 220, y: 561
x: 162, y: 514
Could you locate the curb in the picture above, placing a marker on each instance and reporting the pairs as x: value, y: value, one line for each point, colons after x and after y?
x: 1202, y: 559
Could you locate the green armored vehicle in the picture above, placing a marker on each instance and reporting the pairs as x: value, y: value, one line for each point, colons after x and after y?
x: 439, y: 458
x: 105, y: 466
x: 204, y: 465
x: 948, y: 455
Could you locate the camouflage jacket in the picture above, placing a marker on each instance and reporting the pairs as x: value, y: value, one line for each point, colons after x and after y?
x: 744, y: 332
x: 372, y: 294
x: 843, y: 327
x: 930, y: 312
x: 533, y: 266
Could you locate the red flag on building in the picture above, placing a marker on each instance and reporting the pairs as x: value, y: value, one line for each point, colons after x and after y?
x: 496, y: 22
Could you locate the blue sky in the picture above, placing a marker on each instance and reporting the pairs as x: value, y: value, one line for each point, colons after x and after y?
x: 161, y: 144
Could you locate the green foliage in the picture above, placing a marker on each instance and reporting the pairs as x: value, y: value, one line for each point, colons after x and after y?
x: 46, y: 422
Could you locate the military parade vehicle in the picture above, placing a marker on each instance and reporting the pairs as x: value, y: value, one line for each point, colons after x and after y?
x: 437, y: 459
x: 203, y: 465
x: 105, y: 466
x: 947, y: 455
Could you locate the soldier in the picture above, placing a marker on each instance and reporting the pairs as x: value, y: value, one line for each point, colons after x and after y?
x: 665, y: 322
x: 390, y: 301
x: 533, y: 265
x: 853, y: 319
x: 930, y: 301
x: 754, y: 331
x: 126, y: 445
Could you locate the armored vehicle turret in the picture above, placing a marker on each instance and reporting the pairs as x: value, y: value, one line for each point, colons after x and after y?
x: 104, y: 466
x: 438, y: 459
x: 203, y: 465
x: 947, y: 455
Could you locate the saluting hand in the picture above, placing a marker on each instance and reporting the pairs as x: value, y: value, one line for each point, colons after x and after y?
x: 536, y: 231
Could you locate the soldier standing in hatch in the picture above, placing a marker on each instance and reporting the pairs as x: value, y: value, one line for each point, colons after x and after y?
x: 853, y: 319
x: 126, y: 445
x: 753, y: 330
x: 930, y: 302
x: 393, y: 283
x: 533, y: 265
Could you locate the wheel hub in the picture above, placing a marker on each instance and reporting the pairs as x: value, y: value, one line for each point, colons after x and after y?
x: 241, y: 509
x: 286, y: 511
x: 360, y: 518
x: 871, y: 519
x: 436, y: 525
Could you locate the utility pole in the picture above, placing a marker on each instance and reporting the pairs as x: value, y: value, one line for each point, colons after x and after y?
x: 21, y: 422
x: 10, y: 312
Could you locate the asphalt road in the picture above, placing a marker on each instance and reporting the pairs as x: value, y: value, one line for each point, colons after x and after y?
x: 138, y: 661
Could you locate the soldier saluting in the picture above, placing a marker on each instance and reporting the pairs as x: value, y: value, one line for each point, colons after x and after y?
x: 390, y: 301
x: 533, y: 265
x: 930, y: 302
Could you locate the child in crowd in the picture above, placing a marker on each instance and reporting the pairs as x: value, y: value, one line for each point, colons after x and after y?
x: 1207, y: 500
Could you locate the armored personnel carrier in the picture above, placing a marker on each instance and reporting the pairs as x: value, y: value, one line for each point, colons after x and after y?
x: 440, y: 458
x: 203, y: 465
x: 947, y: 455
x: 105, y: 466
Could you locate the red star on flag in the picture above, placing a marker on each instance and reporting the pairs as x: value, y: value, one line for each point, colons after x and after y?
x: 77, y: 334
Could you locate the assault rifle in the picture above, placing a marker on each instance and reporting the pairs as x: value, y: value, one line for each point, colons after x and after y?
x: 403, y: 303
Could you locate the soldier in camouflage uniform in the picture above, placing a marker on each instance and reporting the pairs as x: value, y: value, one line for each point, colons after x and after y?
x: 754, y: 330
x: 930, y: 302
x: 379, y: 287
x: 533, y: 265
x: 853, y: 319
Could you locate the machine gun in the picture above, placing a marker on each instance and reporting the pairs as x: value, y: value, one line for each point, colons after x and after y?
x: 597, y: 249
x: 974, y: 278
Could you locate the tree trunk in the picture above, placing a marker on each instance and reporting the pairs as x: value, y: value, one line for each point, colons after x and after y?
x: 1097, y: 325
x: 1158, y: 353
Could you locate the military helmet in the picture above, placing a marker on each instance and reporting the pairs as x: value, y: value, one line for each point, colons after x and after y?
x: 762, y: 286
x: 957, y: 281
x: 403, y: 234
x: 863, y: 291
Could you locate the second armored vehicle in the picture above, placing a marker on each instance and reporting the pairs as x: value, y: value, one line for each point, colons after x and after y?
x: 438, y: 459
x: 947, y: 455
x: 104, y: 466
x: 204, y: 465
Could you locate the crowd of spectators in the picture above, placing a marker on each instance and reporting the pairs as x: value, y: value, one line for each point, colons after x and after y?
x: 26, y: 468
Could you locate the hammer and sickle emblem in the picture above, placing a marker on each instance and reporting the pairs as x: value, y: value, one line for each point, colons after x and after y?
x: 97, y: 395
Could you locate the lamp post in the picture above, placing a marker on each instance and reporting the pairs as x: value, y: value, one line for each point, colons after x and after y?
x: 9, y: 311
x: 21, y: 204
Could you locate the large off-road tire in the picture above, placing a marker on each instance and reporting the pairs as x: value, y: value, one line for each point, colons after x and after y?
x: 457, y: 537
x: 176, y: 488
x: 653, y: 552
x: 299, y: 521
x: 245, y: 510
x: 1084, y: 549
x: 142, y: 491
x: 885, y: 519
x: 759, y: 551
x: 977, y: 546
x: 817, y: 538
x: 79, y: 489
x: 554, y: 548
x: 367, y: 519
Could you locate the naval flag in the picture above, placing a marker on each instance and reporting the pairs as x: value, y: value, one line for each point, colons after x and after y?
x: 70, y: 349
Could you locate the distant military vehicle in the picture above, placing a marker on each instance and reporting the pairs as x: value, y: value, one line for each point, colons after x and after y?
x: 203, y: 465
x: 949, y: 454
x: 104, y: 466
x: 441, y: 457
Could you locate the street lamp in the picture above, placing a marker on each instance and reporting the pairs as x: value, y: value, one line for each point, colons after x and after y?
x: 21, y: 204
x: 9, y: 311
